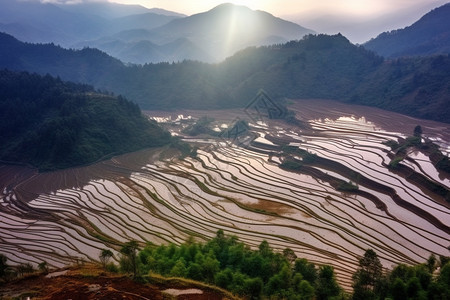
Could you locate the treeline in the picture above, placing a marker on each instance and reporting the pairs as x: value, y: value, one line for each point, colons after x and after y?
x: 430, y: 280
x: 262, y: 273
x: 319, y: 66
x: 225, y: 262
x: 11, y: 272
x: 52, y: 124
x: 265, y: 274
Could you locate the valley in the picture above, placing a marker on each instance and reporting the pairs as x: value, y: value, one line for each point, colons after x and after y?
x: 237, y: 184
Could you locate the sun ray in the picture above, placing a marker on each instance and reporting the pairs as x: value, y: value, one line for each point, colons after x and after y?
x: 231, y: 32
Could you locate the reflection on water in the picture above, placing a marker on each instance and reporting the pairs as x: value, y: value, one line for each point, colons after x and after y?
x: 69, y: 214
x: 29, y: 184
x: 388, y: 121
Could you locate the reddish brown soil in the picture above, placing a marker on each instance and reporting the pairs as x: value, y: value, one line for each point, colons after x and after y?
x: 80, y: 284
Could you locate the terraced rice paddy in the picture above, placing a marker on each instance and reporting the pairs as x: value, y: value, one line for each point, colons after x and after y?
x: 68, y: 216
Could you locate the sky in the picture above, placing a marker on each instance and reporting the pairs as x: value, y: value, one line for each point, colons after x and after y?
x: 358, y: 20
x: 290, y: 7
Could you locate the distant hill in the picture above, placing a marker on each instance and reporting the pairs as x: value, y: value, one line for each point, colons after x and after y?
x: 69, y: 24
x: 429, y: 35
x: 135, y: 34
x: 135, y: 46
x: 84, y: 66
x: 315, y: 67
x: 44, y: 22
x: 161, y: 11
x: 145, y: 21
x: 102, y: 9
x: 51, y: 124
x: 210, y: 36
x: 228, y: 28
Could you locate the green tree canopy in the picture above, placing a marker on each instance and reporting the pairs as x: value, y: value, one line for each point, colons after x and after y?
x: 129, y: 261
x: 368, y: 276
x: 105, y: 256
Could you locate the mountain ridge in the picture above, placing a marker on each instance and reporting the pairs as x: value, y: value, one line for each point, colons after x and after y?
x: 429, y: 35
x: 67, y: 25
x: 227, y: 26
x: 315, y: 67
x: 214, y: 34
x: 51, y: 124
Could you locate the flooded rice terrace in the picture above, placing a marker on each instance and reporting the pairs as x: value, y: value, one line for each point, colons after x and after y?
x: 68, y: 216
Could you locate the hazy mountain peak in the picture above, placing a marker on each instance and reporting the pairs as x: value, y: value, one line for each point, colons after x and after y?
x: 164, y: 12
x: 230, y: 9
x: 104, y: 9
x: 230, y: 6
x: 117, y: 28
x: 227, y: 28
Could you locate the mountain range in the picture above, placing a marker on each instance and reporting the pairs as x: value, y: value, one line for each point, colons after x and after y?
x: 319, y: 66
x: 311, y: 67
x: 135, y: 34
x: 429, y: 35
x: 210, y: 36
x: 360, y: 28
x: 66, y: 25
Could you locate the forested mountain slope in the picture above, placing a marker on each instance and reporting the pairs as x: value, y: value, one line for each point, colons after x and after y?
x: 315, y: 67
x: 51, y: 124
x: 429, y: 35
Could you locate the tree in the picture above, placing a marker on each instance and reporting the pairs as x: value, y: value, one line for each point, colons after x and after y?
x: 179, y: 269
x: 290, y: 255
x: 274, y: 285
x: 237, y: 285
x: 413, y: 287
x: 43, y: 267
x: 401, y: 271
x: 305, y: 290
x: 327, y: 285
x: 424, y: 275
x: 3, y: 265
x: 264, y: 249
x: 418, y: 131
x: 210, y: 267
x: 443, y: 260
x: 224, y: 278
x: 431, y: 263
x: 398, y: 290
x: 194, y: 271
x: 129, y: 250
x: 443, y: 282
x: 25, y: 268
x: 367, y: 277
x: 307, y: 269
x: 105, y: 256
x: 253, y: 288
x: 236, y: 255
